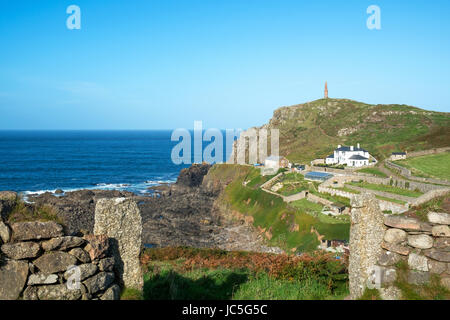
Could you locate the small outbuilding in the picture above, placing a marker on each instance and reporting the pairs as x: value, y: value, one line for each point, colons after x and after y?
x: 398, y: 156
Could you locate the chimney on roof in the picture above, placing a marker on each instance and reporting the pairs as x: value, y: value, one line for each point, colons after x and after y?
x: 351, y: 148
x: 339, y: 146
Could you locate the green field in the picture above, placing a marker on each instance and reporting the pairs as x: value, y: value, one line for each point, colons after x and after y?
x: 346, y: 189
x: 435, y: 165
x: 332, y: 198
x: 387, y: 188
x: 373, y: 171
x: 306, y: 206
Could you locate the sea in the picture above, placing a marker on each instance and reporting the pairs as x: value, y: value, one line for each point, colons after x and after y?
x: 44, y: 161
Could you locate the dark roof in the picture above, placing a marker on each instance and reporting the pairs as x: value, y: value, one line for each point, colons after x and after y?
x: 331, y: 156
x: 344, y: 148
x: 399, y: 153
x: 338, y: 205
x: 358, y: 157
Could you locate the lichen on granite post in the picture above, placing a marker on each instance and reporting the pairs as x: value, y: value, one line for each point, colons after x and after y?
x: 366, y: 235
x: 120, y: 219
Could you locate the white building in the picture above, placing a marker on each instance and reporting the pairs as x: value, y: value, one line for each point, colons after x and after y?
x: 350, y: 156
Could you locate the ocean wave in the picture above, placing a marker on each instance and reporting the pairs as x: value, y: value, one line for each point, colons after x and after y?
x: 138, y: 188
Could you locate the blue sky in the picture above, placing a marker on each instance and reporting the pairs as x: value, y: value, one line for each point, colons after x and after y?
x: 147, y: 64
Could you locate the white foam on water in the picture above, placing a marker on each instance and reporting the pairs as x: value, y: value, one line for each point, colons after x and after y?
x: 139, y: 188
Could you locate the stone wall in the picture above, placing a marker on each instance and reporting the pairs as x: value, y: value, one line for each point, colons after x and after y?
x: 393, y: 207
x: 429, y: 195
x: 39, y: 262
x: 426, y: 152
x: 313, y: 198
x: 336, y: 192
x: 120, y: 219
x: 402, y: 170
x: 384, y: 205
x: 378, y: 243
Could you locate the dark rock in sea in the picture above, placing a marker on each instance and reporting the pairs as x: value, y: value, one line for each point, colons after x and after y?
x: 59, y: 191
x: 193, y: 176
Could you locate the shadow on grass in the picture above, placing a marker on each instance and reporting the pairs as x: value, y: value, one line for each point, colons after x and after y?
x: 174, y: 286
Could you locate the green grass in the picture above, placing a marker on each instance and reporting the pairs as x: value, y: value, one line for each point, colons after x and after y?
x: 387, y: 188
x: 435, y: 165
x: 292, y: 183
x: 205, y: 284
x: 347, y: 190
x: 226, y: 284
x: 332, y: 198
x: 306, y: 206
x: 390, y: 199
x: 23, y: 212
x: 131, y: 294
x: 208, y: 274
x: 371, y: 294
x: 263, y: 287
x: 259, y: 181
x: 373, y: 171
x: 334, y: 220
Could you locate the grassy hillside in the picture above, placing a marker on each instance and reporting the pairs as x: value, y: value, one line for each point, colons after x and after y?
x: 312, y: 130
x: 288, y: 227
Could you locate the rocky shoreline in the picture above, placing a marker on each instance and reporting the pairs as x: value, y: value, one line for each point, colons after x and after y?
x: 181, y: 214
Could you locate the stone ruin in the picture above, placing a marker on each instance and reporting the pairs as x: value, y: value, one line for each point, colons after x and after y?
x: 378, y: 242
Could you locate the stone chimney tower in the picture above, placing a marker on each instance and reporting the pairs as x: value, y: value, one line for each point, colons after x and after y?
x: 326, y: 90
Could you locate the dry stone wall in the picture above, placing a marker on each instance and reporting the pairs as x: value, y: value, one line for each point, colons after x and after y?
x: 426, y: 152
x: 379, y: 242
x: 39, y: 262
